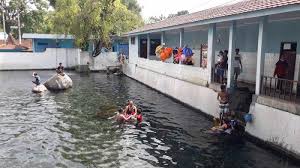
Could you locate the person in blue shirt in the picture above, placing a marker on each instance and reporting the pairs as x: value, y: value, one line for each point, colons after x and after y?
x: 37, y: 80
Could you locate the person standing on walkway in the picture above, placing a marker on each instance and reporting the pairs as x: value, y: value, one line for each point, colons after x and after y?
x: 237, y: 64
x: 281, y: 71
x: 221, y: 66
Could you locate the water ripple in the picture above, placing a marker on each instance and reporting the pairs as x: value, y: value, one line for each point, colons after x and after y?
x: 62, y: 129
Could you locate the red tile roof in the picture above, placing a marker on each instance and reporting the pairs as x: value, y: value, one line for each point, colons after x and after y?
x: 217, y: 12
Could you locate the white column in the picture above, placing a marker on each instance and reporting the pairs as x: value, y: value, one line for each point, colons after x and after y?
x: 231, y: 53
x: 19, y: 27
x: 261, y: 45
x: 78, y: 57
x: 162, y: 37
x: 181, y: 37
x: 211, y: 42
x: 148, y: 46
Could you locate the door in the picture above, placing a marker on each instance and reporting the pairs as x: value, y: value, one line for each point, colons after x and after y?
x: 288, y: 51
x: 143, y: 48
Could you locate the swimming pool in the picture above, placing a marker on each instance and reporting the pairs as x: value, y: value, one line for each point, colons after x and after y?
x: 63, y: 130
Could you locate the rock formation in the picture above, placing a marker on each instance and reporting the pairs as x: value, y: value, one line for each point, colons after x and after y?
x: 39, y: 89
x: 59, y: 82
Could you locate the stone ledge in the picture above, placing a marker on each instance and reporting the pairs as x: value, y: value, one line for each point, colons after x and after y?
x: 279, y: 104
x: 200, y: 82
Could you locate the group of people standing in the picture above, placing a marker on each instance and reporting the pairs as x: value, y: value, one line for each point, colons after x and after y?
x: 222, y: 65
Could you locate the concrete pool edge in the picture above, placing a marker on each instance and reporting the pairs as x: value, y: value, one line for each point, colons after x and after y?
x: 278, y: 150
x: 157, y: 82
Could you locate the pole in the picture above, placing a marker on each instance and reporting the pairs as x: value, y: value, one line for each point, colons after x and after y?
x: 4, y: 29
x: 19, y: 26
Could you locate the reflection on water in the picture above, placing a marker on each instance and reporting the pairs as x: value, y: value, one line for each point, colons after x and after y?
x: 62, y: 130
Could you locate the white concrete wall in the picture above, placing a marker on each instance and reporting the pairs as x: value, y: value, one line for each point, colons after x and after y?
x: 42, y: 60
x: 178, y: 81
x: 275, y: 126
x: 100, y: 62
x: 133, y: 50
x: 103, y: 60
x: 52, y: 56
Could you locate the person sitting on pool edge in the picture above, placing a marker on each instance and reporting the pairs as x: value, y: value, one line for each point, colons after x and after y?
x: 60, y: 69
x: 37, y: 80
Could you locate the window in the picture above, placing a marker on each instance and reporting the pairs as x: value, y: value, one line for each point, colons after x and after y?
x: 132, y: 39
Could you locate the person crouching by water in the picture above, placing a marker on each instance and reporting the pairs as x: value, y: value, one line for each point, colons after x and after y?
x: 37, y: 80
x: 60, y: 69
x: 223, y: 98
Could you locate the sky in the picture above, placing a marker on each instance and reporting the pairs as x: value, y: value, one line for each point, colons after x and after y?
x: 166, y: 7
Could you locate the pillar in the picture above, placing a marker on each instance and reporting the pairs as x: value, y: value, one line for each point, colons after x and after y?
x: 181, y: 37
x: 261, y: 45
x: 162, y: 37
x: 148, y: 46
x: 231, y: 53
x: 211, y: 42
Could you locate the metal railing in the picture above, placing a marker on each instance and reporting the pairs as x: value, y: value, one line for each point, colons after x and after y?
x: 280, y: 88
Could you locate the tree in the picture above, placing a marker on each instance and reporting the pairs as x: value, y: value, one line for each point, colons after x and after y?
x: 52, y: 3
x: 32, y: 14
x: 132, y: 5
x: 93, y: 19
x: 183, y: 12
x: 154, y: 19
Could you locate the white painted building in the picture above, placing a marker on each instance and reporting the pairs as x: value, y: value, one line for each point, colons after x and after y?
x: 262, y: 30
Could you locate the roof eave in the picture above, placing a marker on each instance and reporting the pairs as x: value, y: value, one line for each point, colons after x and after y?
x: 254, y: 14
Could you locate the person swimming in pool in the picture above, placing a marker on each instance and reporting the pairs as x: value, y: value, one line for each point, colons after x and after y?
x: 130, y: 109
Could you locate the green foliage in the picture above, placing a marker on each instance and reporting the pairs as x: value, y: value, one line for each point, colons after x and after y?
x: 85, y: 19
x: 97, y: 19
x: 154, y: 19
x: 33, y: 15
x: 133, y: 6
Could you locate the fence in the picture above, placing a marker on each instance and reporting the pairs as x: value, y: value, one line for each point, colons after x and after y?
x: 280, y: 88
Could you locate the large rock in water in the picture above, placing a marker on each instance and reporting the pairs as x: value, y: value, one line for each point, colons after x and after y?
x: 59, y: 82
x: 39, y: 89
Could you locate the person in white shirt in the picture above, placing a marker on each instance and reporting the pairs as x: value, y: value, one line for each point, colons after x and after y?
x: 237, y: 64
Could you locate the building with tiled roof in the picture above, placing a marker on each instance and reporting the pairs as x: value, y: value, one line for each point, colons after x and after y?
x: 209, y: 15
x: 263, y: 31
